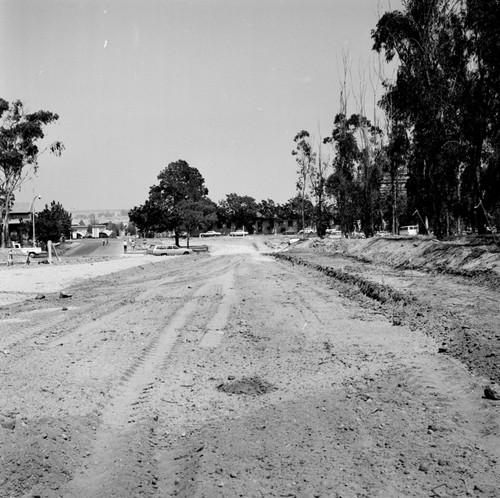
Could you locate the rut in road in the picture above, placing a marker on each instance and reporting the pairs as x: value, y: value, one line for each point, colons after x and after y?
x: 130, y: 418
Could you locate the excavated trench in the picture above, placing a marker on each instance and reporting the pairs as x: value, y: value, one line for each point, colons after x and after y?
x: 458, y: 311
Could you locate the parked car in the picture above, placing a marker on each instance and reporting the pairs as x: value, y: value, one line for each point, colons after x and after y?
x: 29, y: 251
x: 410, y: 230
x: 238, y: 233
x: 307, y: 231
x: 210, y: 233
x: 167, y: 250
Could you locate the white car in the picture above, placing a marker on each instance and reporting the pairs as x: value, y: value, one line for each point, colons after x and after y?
x: 167, y: 250
x: 29, y: 251
x: 210, y: 233
x: 238, y: 233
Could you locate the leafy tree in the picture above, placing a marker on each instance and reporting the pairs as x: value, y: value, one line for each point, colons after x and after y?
x: 148, y: 217
x: 294, y: 208
x: 342, y: 184
x: 369, y: 173
x: 268, y: 208
x: 394, y: 160
x: 131, y: 229
x: 200, y: 214
x: 171, y: 204
x: 437, y: 98
x: 482, y: 116
x: 53, y: 222
x: 20, y: 132
x: 239, y: 210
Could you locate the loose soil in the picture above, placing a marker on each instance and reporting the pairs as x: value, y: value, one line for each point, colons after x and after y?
x: 319, y: 369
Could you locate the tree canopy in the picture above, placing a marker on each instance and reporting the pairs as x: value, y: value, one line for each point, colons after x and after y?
x: 446, y: 95
x: 52, y: 223
x: 178, y: 202
x: 240, y: 210
x: 20, y: 133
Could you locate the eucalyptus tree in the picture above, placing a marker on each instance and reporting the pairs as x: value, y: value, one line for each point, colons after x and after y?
x: 305, y: 159
x: 429, y: 41
x: 342, y: 185
x: 318, y: 176
x: 20, y: 133
x: 482, y: 110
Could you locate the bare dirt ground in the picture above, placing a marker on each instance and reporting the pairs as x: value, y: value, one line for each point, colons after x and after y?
x: 237, y: 373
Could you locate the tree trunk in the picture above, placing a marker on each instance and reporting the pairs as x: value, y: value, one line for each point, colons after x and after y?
x: 5, y: 228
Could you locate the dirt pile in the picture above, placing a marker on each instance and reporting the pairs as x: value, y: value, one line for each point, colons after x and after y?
x: 473, y: 259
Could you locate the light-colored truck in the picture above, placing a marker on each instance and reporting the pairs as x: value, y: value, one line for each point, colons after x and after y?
x: 29, y: 251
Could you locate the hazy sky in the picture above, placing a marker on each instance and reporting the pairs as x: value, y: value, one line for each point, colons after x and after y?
x: 223, y: 84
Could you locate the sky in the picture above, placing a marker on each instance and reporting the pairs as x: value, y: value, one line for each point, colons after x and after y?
x: 222, y: 84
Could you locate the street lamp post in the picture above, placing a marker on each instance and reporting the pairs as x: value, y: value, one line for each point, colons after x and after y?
x: 33, y: 216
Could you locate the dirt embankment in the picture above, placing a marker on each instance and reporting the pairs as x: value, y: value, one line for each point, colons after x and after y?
x: 472, y: 259
x: 447, y: 289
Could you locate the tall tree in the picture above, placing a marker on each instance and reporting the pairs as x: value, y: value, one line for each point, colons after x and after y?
x: 342, y: 184
x: 482, y: 114
x: 429, y: 40
x: 318, y: 175
x: 305, y: 158
x: 20, y: 132
x: 181, y: 189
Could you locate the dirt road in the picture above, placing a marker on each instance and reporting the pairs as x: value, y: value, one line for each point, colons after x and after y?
x: 233, y: 374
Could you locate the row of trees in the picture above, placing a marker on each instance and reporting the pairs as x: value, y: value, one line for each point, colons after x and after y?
x: 445, y: 107
x: 434, y: 162
x: 437, y: 158
x: 179, y: 202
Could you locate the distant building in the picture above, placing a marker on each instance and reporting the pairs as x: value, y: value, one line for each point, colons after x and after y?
x: 81, y: 231
x: 19, y: 215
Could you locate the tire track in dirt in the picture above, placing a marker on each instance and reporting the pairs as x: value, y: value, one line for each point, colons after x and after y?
x: 109, y: 303
x: 172, y: 462
x: 129, y: 415
x: 216, y: 325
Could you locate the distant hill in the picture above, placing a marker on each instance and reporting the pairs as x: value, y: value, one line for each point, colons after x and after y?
x: 100, y: 215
